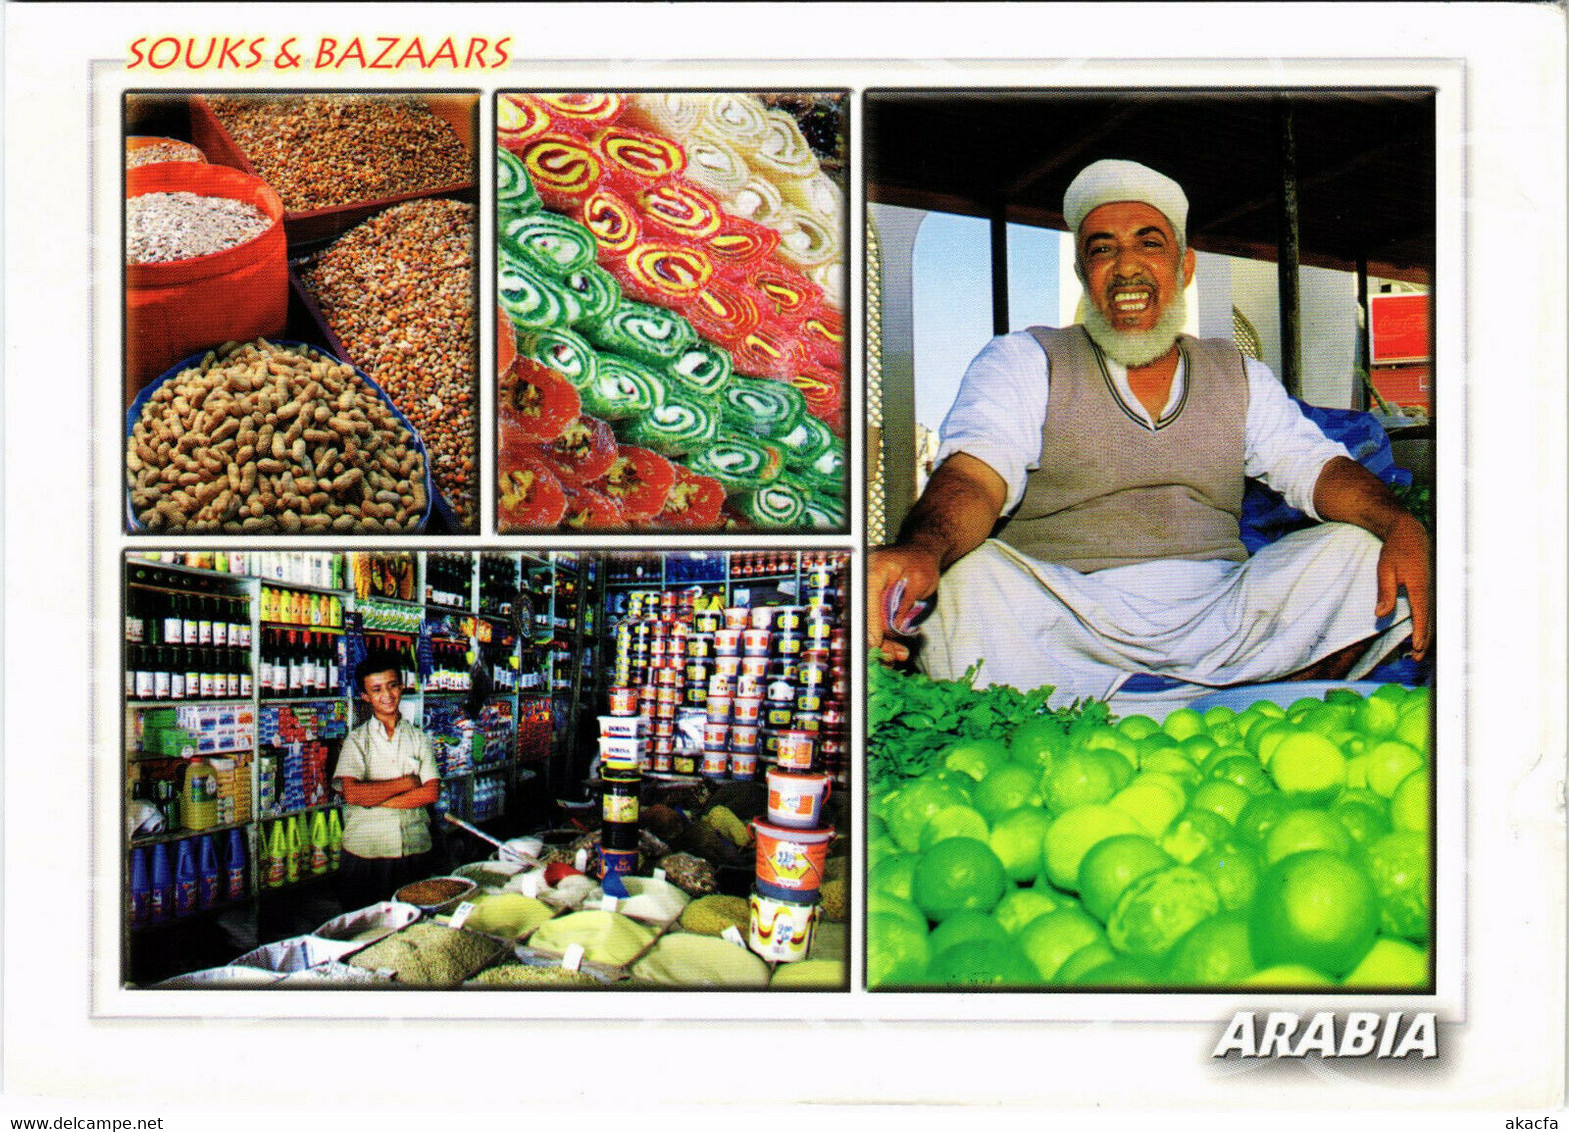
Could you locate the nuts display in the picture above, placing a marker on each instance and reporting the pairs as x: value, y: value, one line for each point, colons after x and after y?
x: 398, y: 290
x: 328, y: 150
x: 259, y: 437
x: 166, y: 149
x: 164, y: 227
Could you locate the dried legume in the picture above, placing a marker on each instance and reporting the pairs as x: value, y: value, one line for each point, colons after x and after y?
x: 159, y: 151
x: 323, y: 151
x: 164, y: 227
x: 263, y: 438
x: 398, y: 291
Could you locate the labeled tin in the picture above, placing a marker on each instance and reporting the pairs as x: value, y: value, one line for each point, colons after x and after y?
x: 780, y: 931
x: 809, y: 721
x: 746, y: 709
x: 623, y: 701
x: 684, y: 763
x: 795, y: 750
x: 808, y: 702
x: 754, y: 666
x: 660, y: 764
x: 708, y: 620
x: 727, y: 666
x: 761, y: 617
x: 754, y: 642
x: 716, y: 736
x: 779, y: 715
x: 749, y: 686
x: 736, y: 617
x: 619, y: 796
x: 789, y: 644
x: 743, y: 738
x: 743, y: 766
x: 719, y: 709
x: 727, y: 642
x: 700, y: 646
x: 787, y: 618
x: 715, y: 764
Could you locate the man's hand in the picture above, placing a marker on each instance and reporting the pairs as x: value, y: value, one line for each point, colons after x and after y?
x: 358, y: 793
x: 919, y: 569
x: 1406, y: 562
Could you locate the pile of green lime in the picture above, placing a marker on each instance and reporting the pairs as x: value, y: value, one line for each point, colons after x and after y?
x: 1282, y: 847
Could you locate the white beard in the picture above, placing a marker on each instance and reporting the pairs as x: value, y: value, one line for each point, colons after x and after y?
x: 1137, y: 347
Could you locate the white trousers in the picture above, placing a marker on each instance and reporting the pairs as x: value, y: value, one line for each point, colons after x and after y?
x: 1033, y: 623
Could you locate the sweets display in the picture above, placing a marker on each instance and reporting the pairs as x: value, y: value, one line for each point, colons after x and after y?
x: 676, y: 366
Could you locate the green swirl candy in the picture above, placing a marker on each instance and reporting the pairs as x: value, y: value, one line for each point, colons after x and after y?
x: 765, y: 408
x: 826, y: 473
x: 679, y: 425
x: 515, y: 194
x: 562, y: 351
x: 740, y: 463
x: 808, y: 440
x: 622, y: 388
x: 776, y: 505
x: 647, y: 333
x: 595, y: 288
x: 823, y: 513
x: 553, y: 244
x: 702, y: 368
x: 531, y: 299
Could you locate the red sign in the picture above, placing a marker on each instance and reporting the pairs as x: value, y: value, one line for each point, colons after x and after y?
x: 1400, y: 328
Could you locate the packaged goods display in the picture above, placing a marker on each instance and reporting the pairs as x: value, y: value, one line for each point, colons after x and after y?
x: 562, y: 857
x: 334, y: 227
x: 675, y: 359
x: 1268, y: 836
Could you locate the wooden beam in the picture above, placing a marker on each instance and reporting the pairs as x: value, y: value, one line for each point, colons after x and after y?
x: 1289, y: 265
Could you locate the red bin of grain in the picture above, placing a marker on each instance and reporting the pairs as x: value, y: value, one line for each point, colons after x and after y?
x: 175, y: 309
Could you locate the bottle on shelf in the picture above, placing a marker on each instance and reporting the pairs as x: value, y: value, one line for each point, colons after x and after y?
x: 141, y: 889
x: 186, y: 880
x: 210, y: 887
x: 161, y: 899
x: 234, y: 865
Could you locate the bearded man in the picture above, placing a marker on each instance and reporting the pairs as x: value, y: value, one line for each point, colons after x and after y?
x: 1118, y: 449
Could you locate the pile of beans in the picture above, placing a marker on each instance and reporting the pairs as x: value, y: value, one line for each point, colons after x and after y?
x: 264, y: 438
x: 158, y: 151
x: 327, y: 150
x: 398, y: 291
x: 164, y: 227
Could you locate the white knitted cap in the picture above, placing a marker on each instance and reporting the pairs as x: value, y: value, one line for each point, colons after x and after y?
x: 1112, y: 180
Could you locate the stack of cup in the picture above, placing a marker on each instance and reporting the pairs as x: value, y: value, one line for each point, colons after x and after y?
x: 792, y: 853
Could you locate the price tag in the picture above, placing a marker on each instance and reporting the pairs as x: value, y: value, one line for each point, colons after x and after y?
x: 460, y: 914
x: 580, y: 862
x: 733, y: 934
x: 528, y: 884
x: 608, y: 903
x: 573, y: 959
x: 659, y: 874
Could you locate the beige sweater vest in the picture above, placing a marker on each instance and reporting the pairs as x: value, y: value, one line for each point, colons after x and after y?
x: 1110, y: 491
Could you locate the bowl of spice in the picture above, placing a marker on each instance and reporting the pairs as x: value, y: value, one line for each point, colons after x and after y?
x: 437, y: 894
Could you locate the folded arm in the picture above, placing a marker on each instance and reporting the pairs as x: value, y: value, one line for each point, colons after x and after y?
x: 379, y: 793
x: 1347, y: 492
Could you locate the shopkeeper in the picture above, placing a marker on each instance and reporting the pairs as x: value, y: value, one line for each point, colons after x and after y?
x: 1123, y: 490
x: 387, y: 774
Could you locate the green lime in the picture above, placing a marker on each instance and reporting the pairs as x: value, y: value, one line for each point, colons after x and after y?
x: 981, y: 963
x: 1288, y: 976
x: 1415, y: 726
x: 1389, y: 764
x: 1075, y: 833
x: 1309, y: 765
x: 1113, y: 864
x: 1217, y: 715
x: 1158, y: 909
x: 1392, y: 963
x: 889, y: 905
x: 1171, y: 761
x: 1184, y: 723
x: 880, y: 847
x: 974, y: 757
x: 1197, y: 748
x: 1048, y: 940
x: 1234, y: 870
x: 953, y: 821
x: 1240, y: 769
x: 956, y: 875
x: 1107, y: 741
x: 897, y: 951
x: 1326, y: 719
x: 1018, y: 838
x: 894, y: 875
x: 1262, y: 739
x: 1259, y: 816
x: 1408, y: 805
x: 1398, y: 865
x: 1304, y: 829
x: 1007, y: 788
x: 1194, y: 832
x: 1214, y: 954
x: 1086, y: 958
x: 1314, y: 908
x: 1019, y: 906
x: 908, y: 814
x: 1151, y: 799
x: 1079, y: 777
x: 1377, y: 717
x: 961, y: 927
x: 1120, y: 972
x: 1037, y: 743
x: 1136, y: 727
x: 1223, y: 797
x: 1366, y: 821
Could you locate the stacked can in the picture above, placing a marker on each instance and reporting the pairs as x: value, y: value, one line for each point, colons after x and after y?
x: 623, y: 753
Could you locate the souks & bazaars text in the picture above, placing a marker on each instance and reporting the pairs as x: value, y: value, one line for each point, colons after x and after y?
x: 358, y: 53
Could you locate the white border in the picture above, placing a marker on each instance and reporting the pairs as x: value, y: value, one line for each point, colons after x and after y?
x: 1504, y: 130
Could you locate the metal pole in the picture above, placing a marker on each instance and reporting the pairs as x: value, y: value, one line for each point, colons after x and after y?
x: 999, y: 236
x: 1364, y: 354
x: 1290, y: 254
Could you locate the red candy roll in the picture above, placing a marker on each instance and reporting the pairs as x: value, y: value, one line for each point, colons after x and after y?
x: 638, y: 156
x: 824, y: 393
x: 740, y: 245
x: 611, y: 218
x: 583, y: 452
x: 790, y: 293
x: 680, y: 208
x: 663, y: 273
x: 591, y: 510
x: 725, y: 310
x: 582, y: 112
x: 564, y: 168
x: 536, y: 401
x: 529, y: 496
x: 767, y: 350
x: 822, y: 333
x: 519, y: 119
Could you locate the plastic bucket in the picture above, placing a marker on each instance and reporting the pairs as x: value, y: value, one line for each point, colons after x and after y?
x: 795, y: 750
x: 797, y: 799
x: 790, y: 862
x: 781, y: 930
x: 743, y: 767
x: 239, y: 294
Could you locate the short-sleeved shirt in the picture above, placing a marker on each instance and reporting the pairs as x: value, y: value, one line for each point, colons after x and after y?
x: 1001, y: 407
x: 370, y: 755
